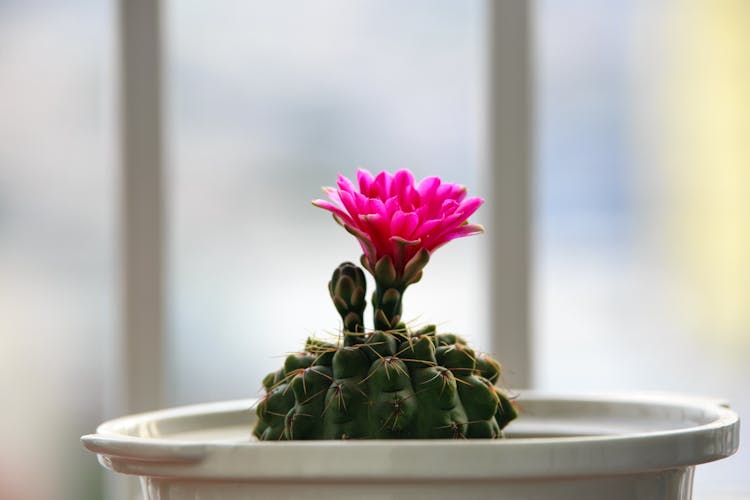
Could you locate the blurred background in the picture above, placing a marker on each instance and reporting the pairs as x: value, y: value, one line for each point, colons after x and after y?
x: 641, y: 254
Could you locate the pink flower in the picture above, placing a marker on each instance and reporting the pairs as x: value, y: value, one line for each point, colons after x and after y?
x: 394, y: 218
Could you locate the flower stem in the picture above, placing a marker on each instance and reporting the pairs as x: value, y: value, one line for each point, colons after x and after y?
x: 386, y: 303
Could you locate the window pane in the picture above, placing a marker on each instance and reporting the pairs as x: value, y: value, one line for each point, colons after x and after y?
x: 267, y: 102
x: 56, y: 245
x: 643, y: 196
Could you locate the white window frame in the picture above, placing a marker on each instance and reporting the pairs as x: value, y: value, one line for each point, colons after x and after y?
x: 510, y: 168
x: 142, y: 205
x: 141, y: 339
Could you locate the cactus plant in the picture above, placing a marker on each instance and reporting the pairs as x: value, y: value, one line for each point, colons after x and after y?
x: 391, y: 381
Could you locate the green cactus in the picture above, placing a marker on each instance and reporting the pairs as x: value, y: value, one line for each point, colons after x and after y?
x: 386, y: 384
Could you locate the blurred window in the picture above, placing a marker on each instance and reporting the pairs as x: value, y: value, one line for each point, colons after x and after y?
x: 643, y: 196
x: 56, y: 244
x: 267, y: 101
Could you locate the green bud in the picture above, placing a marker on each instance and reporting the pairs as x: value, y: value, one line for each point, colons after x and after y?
x: 347, y: 289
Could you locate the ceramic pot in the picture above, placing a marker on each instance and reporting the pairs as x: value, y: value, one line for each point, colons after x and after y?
x: 571, y: 447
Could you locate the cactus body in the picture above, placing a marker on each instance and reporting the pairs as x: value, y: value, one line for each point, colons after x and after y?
x: 389, y: 383
x: 390, y: 386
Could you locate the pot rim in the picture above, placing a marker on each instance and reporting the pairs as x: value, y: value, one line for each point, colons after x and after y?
x: 583, y: 434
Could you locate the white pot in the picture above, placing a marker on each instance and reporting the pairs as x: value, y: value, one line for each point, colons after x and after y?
x: 574, y: 447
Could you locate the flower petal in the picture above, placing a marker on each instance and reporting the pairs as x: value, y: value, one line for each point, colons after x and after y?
x: 402, y: 180
x: 347, y: 199
x: 345, y: 184
x: 383, y: 182
x: 427, y: 227
x: 362, y: 202
x: 448, y: 206
x: 468, y: 207
x: 365, y: 180
x: 460, y: 232
x: 375, y: 206
x: 333, y: 195
x: 375, y: 227
x: 404, y: 223
x: 391, y: 206
x: 428, y: 186
x: 336, y: 210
